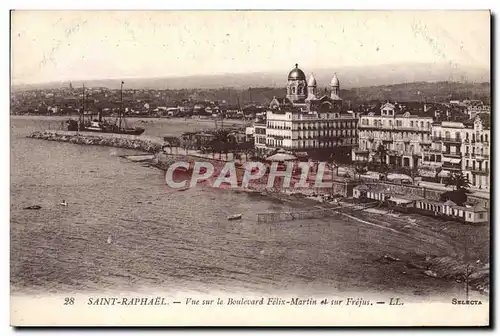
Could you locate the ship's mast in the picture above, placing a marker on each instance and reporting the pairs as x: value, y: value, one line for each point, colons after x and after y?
x: 81, y: 118
x: 222, y: 119
x: 121, y: 105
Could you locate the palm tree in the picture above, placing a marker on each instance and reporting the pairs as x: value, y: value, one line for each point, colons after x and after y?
x: 460, y: 190
x: 459, y: 181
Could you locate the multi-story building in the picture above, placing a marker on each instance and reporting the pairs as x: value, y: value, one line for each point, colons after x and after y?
x: 310, y: 131
x: 304, y: 121
x: 259, y: 135
x: 403, y: 135
x: 476, y: 149
x: 461, y: 146
x: 445, y: 153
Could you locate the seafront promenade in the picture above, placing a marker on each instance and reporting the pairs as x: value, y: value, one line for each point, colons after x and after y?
x: 166, y: 155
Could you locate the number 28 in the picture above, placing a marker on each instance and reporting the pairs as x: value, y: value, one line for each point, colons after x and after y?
x: 69, y: 301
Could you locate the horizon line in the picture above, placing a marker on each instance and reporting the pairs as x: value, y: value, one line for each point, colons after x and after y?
x: 244, y: 88
x: 224, y: 74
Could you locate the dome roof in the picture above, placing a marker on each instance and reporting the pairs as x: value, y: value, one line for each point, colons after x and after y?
x: 297, y: 73
x: 335, y: 81
x: 311, y: 81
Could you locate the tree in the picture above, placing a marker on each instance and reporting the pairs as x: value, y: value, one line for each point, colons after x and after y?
x: 335, y: 164
x: 381, y: 152
x: 461, y: 186
x: 459, y: 181
x: 360, y: 168
x: 456, y: 196
x: 246, y: 148
x: 384, y: 170
x: 412, y: 172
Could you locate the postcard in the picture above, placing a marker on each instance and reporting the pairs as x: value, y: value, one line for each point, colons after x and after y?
x: 250, y: 168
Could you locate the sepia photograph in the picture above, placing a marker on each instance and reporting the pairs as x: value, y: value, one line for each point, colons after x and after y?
x: 250, y: 168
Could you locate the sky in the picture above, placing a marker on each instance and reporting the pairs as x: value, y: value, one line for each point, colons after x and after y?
x: 78, y: 45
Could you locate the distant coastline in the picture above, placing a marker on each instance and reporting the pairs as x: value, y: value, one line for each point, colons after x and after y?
x: 436, y: 92
x: 352, y: 77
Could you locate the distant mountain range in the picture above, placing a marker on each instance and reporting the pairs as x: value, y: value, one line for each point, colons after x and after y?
x: 350, y: 77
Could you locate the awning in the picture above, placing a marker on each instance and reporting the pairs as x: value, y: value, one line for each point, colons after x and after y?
x: 427, y: 173
x: 281, y: 157
x: 398, y: 177
x: 444, y: 173
x: 451, y: 160
x: 400, y: 200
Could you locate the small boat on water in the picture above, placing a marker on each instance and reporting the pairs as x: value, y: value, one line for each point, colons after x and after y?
x: 234, y: 217
x: 33, y: 207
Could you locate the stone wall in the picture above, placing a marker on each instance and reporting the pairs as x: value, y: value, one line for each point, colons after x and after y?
x: 112, y: 140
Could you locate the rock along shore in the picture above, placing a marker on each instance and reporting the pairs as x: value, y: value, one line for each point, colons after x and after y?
x: 120, y: 141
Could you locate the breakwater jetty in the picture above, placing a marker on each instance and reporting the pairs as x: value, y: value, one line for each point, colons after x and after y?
x: 146, y: 144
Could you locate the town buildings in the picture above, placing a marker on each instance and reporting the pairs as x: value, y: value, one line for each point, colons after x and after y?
x: 307, y: 121
x: 395, y: 135
x: 462, y: 146
x: 436, y: 149
x: 432, y: 139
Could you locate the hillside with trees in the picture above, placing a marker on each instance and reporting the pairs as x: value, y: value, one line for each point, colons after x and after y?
x: 440, y: 92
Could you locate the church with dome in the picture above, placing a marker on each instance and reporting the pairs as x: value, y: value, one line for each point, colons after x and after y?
x: 306, y: 120
x: 303, y: 95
